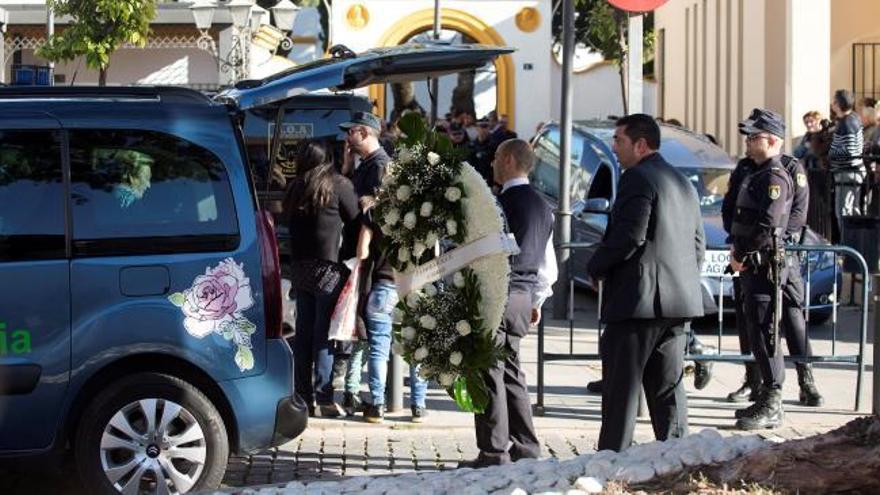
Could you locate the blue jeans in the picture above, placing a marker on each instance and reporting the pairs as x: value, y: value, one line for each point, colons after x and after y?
x: 313, y: 359
x: 418, y: 386
x: 380, y: 302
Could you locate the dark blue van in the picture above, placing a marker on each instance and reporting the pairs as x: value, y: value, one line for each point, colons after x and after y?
x: 140, y: 311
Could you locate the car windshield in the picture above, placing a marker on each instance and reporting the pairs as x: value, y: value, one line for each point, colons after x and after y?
x: 710, y: 183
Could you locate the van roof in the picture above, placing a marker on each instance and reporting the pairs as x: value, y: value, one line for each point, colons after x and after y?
x: 168, y: 94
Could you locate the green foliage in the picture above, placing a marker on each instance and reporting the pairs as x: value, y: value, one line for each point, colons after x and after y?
x: 598, y: 24
x: 97, y: 29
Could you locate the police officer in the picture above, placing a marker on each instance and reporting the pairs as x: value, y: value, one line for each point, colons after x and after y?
x: 792, y: 321
x: 763, y: 206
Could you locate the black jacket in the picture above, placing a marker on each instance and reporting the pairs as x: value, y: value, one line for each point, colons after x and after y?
x: 652, y: 252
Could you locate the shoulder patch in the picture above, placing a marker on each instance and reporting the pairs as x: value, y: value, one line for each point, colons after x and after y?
x: 774, y: 191
x: 802, y: 180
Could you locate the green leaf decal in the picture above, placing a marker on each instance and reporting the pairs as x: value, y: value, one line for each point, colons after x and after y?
x: 246, y: 326
x: 177, y: 299
x: 244, y: 358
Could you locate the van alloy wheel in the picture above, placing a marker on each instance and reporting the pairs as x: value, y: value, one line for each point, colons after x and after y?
x: 154, y: 445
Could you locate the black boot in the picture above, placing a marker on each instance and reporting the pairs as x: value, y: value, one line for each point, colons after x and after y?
x: 766, y: 414
x: 758, y: 392
x: 750, y: 386
x: 809, y: 395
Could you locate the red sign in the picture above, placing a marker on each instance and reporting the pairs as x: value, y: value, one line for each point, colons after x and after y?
x: 637, y: 5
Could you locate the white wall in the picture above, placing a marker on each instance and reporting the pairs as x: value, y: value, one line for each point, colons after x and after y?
x: 597, y: 93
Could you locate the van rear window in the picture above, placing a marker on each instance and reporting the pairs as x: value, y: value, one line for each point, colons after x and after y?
x: 133, y: 184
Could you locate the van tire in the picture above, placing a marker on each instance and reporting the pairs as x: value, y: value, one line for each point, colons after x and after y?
x: 119, y: 396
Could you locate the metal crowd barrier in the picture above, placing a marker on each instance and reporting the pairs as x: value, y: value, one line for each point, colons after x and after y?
x: 858, y: 359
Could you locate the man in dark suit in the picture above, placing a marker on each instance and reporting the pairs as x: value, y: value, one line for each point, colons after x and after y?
x: 650, y: 262
x: 505, y: 431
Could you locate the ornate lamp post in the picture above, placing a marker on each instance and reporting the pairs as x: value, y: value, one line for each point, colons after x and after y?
x: 284, y: 14
x: 237, y: 60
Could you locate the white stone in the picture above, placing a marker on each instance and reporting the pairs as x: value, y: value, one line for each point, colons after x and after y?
x: 589, y: 484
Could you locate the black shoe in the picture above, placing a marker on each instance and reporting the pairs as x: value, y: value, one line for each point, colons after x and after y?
x: 702, y: 374
x: 328, y: 410
x: 418, y: 414
x: 351, y: 404
x: 809, y: 395
x: 484, y: 460
x: 767, y: 413
x: 374, y: 414
x: 750, y: 387
x: 595, y: 387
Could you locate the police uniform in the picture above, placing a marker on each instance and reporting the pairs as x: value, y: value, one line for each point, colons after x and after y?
x: 760, y: 220
x: 793, y: 322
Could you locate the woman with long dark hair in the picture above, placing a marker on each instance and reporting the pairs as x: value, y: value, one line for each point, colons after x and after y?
x: 319, y: 203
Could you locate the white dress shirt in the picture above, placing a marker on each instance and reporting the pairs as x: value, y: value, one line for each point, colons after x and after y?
x: 548, y: 272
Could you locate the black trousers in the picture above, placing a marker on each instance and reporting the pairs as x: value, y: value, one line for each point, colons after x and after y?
x: 793, y: 324
x: 638, y: 353
x: 757, y: 295
x: 505, y: 430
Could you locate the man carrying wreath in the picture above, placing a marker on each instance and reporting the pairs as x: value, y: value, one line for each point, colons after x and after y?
x: 505, y: 431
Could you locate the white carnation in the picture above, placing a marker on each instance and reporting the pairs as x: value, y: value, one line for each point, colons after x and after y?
x: 404, y: 155
x: 447, y: 379
x: 412, y: 299
x: 431, y: 239
x: 397, y: 348
x: 453, y: 194
x: 408, y: 333
x: 424, y: 372
x: 428, y: 322
x: 458, y: 280
x: 426, y: 209
x: 420, y: 354
x: 455, y: 358
x: 418, y: 250
x: 403, y: 255
x: 433, y: 158
x: 386, y: 230
x: 430, y: 290
x: 463, y: 328
x: 396, y: 315
x: 403, y: 192
x: 451, y: 227
x: 392, y: 217
x: 409, y: 220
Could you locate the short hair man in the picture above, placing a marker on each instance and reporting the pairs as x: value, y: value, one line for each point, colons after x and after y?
x: 508, y: 417
x: 650, y: 260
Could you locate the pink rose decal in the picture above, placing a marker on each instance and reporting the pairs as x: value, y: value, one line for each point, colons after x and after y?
x: 214, y: 304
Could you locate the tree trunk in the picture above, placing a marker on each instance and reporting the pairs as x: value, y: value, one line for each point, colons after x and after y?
x: 621, y: 20
x: 102, y: 77
x: 463, y: 94
x: 404, y: 99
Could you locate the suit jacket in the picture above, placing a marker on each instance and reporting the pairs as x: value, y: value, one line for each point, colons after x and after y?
x: 652, y: 252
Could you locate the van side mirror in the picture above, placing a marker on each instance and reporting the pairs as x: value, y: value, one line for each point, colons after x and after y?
x: 597, y: 205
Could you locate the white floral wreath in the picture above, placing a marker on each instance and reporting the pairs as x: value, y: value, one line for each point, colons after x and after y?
x: 444, y: 324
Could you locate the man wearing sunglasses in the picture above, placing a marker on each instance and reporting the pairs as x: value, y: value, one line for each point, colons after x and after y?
x: 763, y: 206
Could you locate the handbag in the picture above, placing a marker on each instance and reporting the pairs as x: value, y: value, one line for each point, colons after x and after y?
x: 318, y: 276
x: 343, y: 320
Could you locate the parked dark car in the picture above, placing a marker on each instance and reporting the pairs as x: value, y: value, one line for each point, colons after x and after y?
x: 141, y: 320
x: 594, y: 177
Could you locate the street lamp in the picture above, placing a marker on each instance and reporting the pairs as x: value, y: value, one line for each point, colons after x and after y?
x: 236, y: 63
x: 284, y: 13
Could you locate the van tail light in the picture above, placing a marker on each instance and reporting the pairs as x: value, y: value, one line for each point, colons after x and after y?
x: 271, y: 271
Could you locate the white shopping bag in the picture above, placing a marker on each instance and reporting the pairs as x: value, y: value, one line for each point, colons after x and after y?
x: 343, y: 321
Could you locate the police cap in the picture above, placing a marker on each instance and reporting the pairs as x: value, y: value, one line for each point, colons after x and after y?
x: 762, y: 120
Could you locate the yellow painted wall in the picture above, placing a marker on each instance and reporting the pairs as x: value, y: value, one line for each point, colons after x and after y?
x: 851, y: 21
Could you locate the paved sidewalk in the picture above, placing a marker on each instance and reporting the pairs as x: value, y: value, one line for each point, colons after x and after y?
x: 332, y: 449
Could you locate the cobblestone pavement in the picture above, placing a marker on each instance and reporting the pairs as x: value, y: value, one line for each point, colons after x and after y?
x: 332, y: 449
